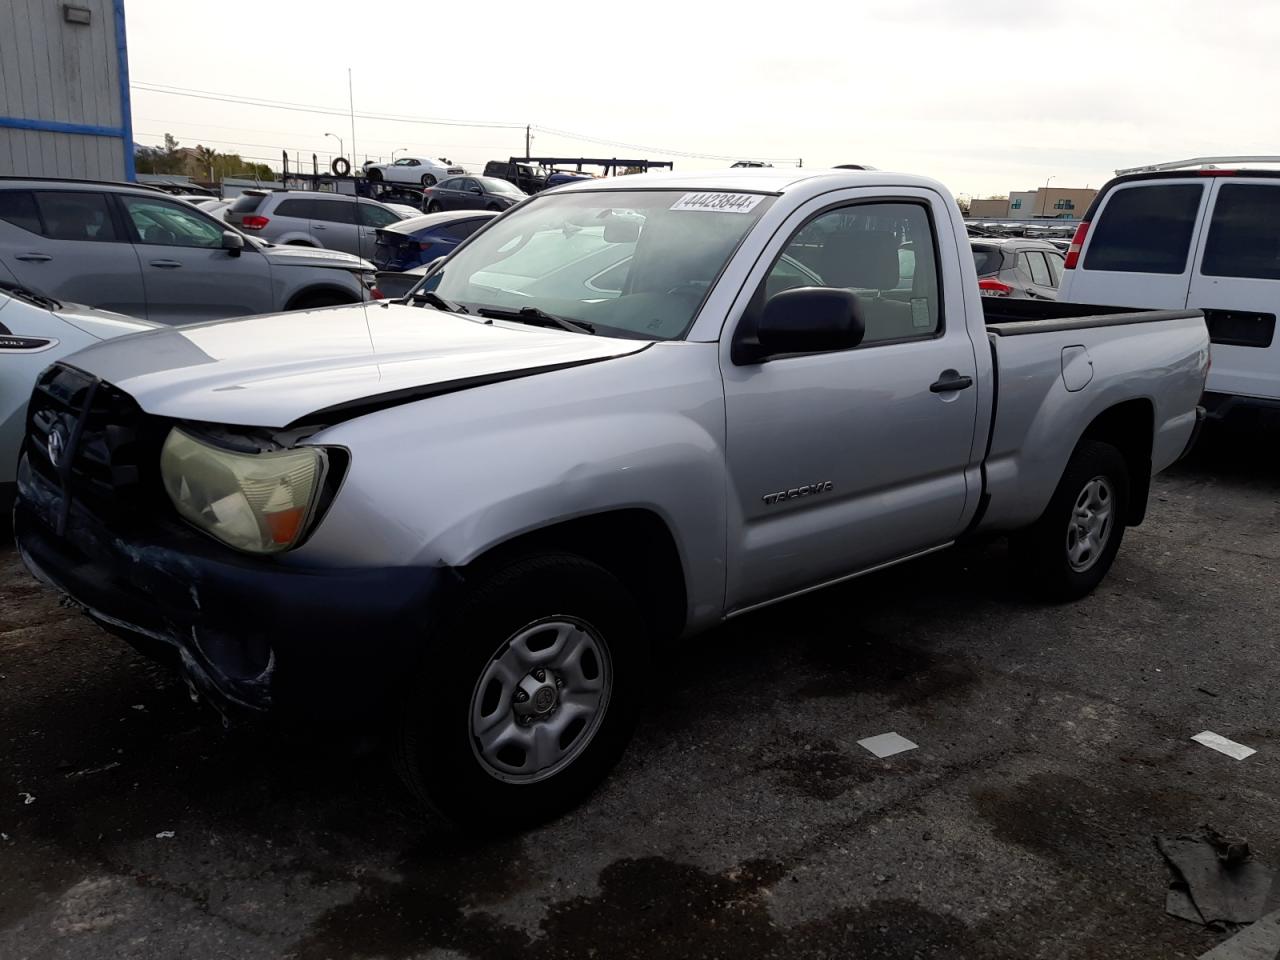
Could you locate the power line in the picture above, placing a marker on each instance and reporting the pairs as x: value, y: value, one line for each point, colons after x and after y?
x: 313, y: 108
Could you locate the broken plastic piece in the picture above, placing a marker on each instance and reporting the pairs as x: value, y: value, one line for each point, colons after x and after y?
x: 1232, y: 749
x: 887, y: 744
x: 164, y: 835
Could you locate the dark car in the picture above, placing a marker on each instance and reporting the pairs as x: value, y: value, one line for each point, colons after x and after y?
x: 418, y: 240
x: 1017, y: 267
x: 527, y: 176
x: 471, y: 193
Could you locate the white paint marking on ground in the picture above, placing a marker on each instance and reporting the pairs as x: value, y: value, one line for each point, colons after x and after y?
x: 1232, y: 749
x: 887, y: 744
x: 1261, y: 941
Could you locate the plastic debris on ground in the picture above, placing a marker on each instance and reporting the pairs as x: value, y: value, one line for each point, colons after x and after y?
x: 1260, y: 941
x: 1216, y: 879
x: 165, y: 835
x: 887, y: 744
x: 1232, y: 749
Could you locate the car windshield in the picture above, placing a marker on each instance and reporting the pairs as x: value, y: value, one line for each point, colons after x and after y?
x: 564, y: 254
x: 494, y: 185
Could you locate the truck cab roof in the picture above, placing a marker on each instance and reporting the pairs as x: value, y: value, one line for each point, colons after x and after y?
x: 772, y: 180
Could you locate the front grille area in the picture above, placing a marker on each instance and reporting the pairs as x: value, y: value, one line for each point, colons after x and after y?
x: 92, y: 440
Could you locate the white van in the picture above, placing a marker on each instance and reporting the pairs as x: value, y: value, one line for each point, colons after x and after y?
x: 1193, y: 234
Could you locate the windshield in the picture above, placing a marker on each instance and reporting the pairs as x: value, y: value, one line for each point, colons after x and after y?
x: 632, y: 263
x: 494, y: 185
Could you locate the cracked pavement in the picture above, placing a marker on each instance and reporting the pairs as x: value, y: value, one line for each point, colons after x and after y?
x: 745, y: 820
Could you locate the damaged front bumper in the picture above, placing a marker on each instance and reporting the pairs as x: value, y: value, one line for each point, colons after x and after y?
x: 250, y: 634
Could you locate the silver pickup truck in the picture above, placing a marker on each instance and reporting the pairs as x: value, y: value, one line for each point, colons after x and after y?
x: 624, y: 411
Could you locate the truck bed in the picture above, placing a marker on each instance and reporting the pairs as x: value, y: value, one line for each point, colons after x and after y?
x: 1016, y: 317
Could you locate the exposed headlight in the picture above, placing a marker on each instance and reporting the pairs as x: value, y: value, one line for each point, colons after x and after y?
x: 256, y: 502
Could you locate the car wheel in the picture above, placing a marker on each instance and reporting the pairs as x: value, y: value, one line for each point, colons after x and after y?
x: 375, y: 176
x: 493, y: 206
x: 428, y: 180
x: 527, y: 697
x: 434, y: 207
x: 1068, y: 551
x: 321, y: 298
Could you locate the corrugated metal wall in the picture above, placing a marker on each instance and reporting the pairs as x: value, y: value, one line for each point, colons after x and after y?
x: 51, y: 70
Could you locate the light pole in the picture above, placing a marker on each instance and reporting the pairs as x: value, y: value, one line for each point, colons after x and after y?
x: 398, y: 150
x: 339, y: 139
x: 1044, y: 207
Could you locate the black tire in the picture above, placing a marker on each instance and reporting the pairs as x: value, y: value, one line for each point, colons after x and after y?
x: 1043, y: 552
x: 428, y: 180
x: 321, y: 298
x: 375, y: 176
x: 493, y: 206
x: 434, y: 750
x: 341, y: 166
x: 300, y: 243
x: 434, y: 207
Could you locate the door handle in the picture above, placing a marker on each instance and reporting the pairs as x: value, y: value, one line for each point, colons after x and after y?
x: 950, y: 380
x: 318, y: 226
x: 34, y: 257
x: 166, y: 264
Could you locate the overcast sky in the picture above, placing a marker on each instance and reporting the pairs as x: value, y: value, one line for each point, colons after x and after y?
x: 987, y: 97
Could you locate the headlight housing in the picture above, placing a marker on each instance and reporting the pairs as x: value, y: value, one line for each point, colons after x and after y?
x: 256, y: 502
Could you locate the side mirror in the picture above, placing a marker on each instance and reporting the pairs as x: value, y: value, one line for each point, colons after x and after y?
x: 807, y: 320
x: 477, y: 191
x: 232, y: 242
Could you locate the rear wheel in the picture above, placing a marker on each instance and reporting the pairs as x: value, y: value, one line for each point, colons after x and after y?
x: 1068, y: 551
x: 428, y: 180
x: 528, y: 696
x: 434, y: 207
x: 375, y: 175
x: 493, y: 206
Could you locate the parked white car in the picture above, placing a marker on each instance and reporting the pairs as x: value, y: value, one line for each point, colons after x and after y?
x: 1193, y: 234
x: 419, y: 171
x: 34, y: 332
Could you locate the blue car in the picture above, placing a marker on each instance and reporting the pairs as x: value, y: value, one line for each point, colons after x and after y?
x: 418, y: 240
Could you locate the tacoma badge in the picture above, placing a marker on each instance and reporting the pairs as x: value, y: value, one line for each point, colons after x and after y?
x: 808, y: 489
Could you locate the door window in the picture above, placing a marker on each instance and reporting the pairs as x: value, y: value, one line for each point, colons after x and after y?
x: 371, y: 216
x: 463, y: 229
x: 1038, y: 269
x: 454, y: 184
x: 161, y: 223
x: 1056, y: 261
x: 1244, y: 234
x: 334, y: 211
x: 19, y: 208
x: 75, y: 216
x: 1146, y: 229
x: 858, y: 248
x: 295, y: 207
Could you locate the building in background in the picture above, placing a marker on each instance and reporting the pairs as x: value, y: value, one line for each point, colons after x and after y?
x: 992, y: 208
x: 1054, y: 203
x: 64, y: 90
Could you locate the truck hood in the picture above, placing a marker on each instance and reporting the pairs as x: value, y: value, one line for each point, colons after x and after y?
x: 326, y: 365
x: 286, y: 256
x: 103, y: 324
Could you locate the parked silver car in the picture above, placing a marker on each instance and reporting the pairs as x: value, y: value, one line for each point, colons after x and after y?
x: 34, y: 332
x: 135, y: 251
x: 308, y: 218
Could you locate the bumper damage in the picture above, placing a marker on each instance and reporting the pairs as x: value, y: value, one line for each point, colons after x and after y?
x: 249, y: 634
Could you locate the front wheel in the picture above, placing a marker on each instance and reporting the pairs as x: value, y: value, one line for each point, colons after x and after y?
x: 434, y: 207
x: 1068, y: 551
x: 375, y: 175
x: 527, y: 697
x: 428, y: 180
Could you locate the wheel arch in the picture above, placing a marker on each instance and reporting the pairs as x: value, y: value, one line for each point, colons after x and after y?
x: 633, y: 543
x: 300, y: 297
x: 1130, y: 428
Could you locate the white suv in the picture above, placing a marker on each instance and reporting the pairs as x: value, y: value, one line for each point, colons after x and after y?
x: 419, y: 171
x: 1187, y: 235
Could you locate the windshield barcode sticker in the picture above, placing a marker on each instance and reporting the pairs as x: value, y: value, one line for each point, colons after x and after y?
x: 718, y: 202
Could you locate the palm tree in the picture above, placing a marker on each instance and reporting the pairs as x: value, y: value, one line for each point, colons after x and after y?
x: 205, y: 157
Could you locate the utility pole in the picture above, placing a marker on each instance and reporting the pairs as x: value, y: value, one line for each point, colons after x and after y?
x: 528, y: 129
x: 1044, y: 206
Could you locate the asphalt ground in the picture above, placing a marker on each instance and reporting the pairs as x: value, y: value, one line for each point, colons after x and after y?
x: 745, y: 820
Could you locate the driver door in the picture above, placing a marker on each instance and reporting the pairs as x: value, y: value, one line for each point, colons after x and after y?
x: 187, y: 274
x: 843, y: 460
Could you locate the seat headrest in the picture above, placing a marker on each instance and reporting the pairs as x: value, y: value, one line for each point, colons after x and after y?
x: 872, y: 260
